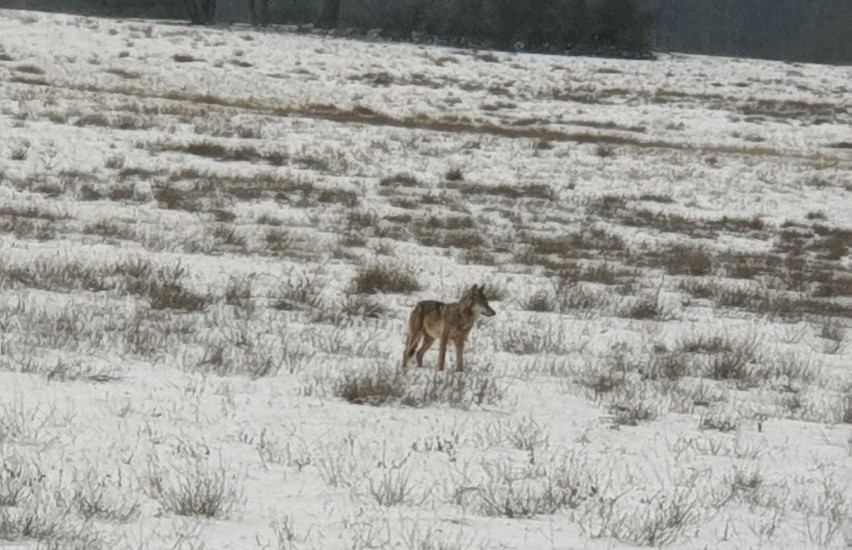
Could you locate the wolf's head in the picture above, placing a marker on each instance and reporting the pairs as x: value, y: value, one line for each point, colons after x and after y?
x: 476, y: 301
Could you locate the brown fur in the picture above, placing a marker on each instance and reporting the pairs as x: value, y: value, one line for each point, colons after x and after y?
x: 433, y: 320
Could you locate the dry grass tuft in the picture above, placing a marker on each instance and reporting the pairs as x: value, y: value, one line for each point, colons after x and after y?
x: 382, y: 278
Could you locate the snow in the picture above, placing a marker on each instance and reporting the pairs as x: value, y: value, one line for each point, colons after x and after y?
x: 100, y: 393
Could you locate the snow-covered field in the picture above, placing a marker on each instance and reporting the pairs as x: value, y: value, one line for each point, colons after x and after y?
x: 210, y: 240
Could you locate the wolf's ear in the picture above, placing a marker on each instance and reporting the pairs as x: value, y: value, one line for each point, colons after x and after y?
x: 473, y: 289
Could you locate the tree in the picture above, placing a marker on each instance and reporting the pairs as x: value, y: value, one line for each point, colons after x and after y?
x: 201, y: 12
x: 619, y: 25
x: 261, y: 16
x: 329, y: 15
x: 510, y: 22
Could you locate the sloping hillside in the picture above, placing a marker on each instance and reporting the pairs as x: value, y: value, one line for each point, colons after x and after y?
x: 210, y: 241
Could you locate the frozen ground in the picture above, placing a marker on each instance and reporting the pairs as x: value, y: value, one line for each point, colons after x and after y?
x: 210, y: 239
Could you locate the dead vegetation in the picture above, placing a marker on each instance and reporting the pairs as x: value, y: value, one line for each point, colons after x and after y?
x: 381, y: 386
x: 376, y: 278
x: 246, y: 244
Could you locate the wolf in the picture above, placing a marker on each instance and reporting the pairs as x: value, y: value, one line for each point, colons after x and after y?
x: 433, y: 320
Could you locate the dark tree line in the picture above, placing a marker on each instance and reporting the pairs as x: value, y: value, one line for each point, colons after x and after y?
x: 539, y: 25
x: 202, y: 12
x: 805, y: 30
x: 259, y: 12
x: 329, y: 14
x: 614, y: 26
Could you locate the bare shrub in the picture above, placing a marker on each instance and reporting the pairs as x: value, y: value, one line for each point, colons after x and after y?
x: 291, y: 451
x: 28, y: 228
x: 666, y: 365
x: 745, y: 482
x: 541, y: 301
x: 529, y: 490
x: 478, y: 255
x: 95, y: 497
x: 121, y: 193
x: 630, y: 406
x: 244, y: 351
x: 19, y: 152
x: 517, y: 493
x: 106, y: 228
x: 339, y: 466
x: 281, y: 241
x: 736, y: 362
x: 404, y: 202
x: 719, y: 418
x: 825, y: 509
x: 604, y: 151
x: 360, y: 223
x: 122, y: 121
x: 199, y: 489
x: 43, y: 518
x: 268, y: 219
x: 238, y: 292
x: 688, y: 260
x: 382, y: 278
x: 646, y: 306
x: 576, y: 243
x: 184, y: 58
x: 29, y: 69
x: 359, y: 305
x: 537, y: 338
x: 299, y: 292
x: 285, y: 534
x: 656, y: 197
x: 528, y: 435
x: 17, y: 479
x: 465, y: 240
x: 227, y: 235
x: 604, y: 273
x: 70, y: 369
x: 704, y: 343
x: 76, y: 326
x: 685, y: 397
x: 163, y: 287
x: 654, y: 521
x: 149, y: 333
x: 173, y: 198
x: 607, y: 205
x: 758, y: 300
x: 458, y: 391
x: 831, y: 284
x: 794, y: 370
x: 454, y: 174
x: 34, y: 521
x: 383, y: 386
x: 738, y: 265
x: 59, y: 274
x: 510, y: 191
x: 608, y: 374
x: 379, y: 387
x: 574, y: 296
x: 123, y: 73
x: 392, y: 487
x: 400, y: 179
x: 336, y: 195
x: 834, y: 334
x: 698, y: 288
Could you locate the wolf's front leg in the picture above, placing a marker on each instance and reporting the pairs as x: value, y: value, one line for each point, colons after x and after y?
x: 442, y: 351
x: 459, y: 342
